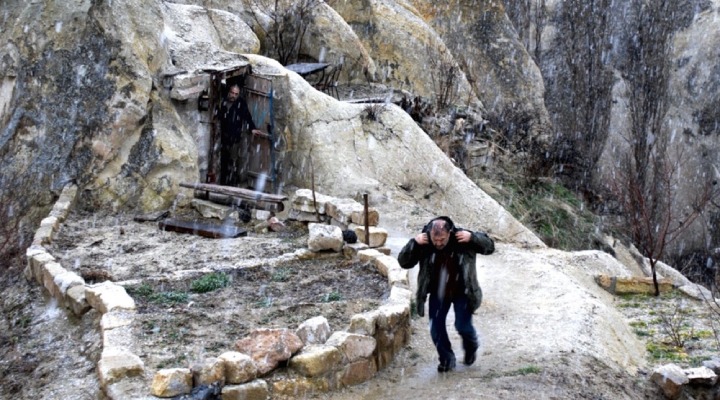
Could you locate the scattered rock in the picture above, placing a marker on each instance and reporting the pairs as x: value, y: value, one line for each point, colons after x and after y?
x: 171, y: 382
x: 671, y: 379
x: 324, y: 237
x: 269, y: 347
x: 315, y: 330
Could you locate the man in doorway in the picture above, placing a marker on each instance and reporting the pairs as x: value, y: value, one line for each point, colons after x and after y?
x: 447, y: 273
x: 235, y: 118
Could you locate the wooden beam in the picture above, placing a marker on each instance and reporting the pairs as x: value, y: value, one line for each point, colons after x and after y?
x: 204, y: 229
x: 245, y: 194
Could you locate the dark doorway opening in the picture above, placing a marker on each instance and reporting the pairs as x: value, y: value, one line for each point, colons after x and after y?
x: 239, y: 155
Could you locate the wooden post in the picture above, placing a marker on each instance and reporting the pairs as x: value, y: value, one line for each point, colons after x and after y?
x: 367, y: 222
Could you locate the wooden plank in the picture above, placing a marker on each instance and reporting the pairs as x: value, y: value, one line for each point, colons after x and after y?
x: 245, y: 194
x: 152, y: 217
x: 203, y: 229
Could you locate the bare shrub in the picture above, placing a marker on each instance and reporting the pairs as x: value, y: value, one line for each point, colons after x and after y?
x: 286, y: 26
x: 373, y: 111
x: 444, y: 74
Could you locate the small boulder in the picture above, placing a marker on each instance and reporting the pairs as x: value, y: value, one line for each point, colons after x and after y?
x: 269, y: 347
x: 239, y: 367
x: 671, y: 379
x: 325, y: 237
x: 171, y: 382
x: 315, y: 330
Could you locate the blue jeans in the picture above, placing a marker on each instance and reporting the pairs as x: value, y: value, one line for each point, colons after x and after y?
x: 438, y: 310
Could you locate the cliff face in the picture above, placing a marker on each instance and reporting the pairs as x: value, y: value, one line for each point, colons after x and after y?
x: 612, y: 69
x: 82, y: 95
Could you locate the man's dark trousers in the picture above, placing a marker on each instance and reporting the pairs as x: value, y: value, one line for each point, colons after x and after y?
x: 438, y: 310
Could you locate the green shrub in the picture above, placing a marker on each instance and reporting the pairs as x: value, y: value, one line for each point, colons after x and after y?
x: 169, y: 297
x: 332, y: 296
x: 210, y: 282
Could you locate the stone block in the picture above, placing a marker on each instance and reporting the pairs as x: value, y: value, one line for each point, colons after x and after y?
x: 171, y: 382
x: 384, y: 264
x: 302, y: 387
x: 75, y: 300
x: 116, y: 364
x: 358, y: 217
x: 378, y: 236
x: 132, y: 387
x: 315, y: 330
x: 306, y: 216
x: 43, y: 236
x: 316, y: 359
x: 107, y: 296
x: 342, y: 209
x: 208, y: 209
x: 269, y: 347
x: 262, y: 215
x: 354, y: 347
x: 398, y: 277
x: 368, y: 255
x: 64, y: 281
x: 385, y: 250
x: 384, y: 358
x: 339, y: 224
x: 37, y: 259
x: 303, y: 201
x: 701, y: 376
x: 400, y: 294
x: 31, y: 253
x: 357, y: 372
x: 351, y: 251
x: 632, y: 285
x: 364, y: 323
x: 49, y: 271
x: 255, y: 390
x: 120, y: 337
x: 671, y: 379
x: 393, y: 315
x: 117, y: 319
x: 208, y: 371
x: 239, y: 367
x: 324, y: 237
x: 64, y: 203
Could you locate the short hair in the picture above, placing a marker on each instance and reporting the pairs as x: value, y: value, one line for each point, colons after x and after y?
x: 440, y: 224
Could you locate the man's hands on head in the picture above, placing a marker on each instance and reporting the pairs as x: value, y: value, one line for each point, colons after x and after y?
x: 463, y: 236
x: 422, y: 239
x: 460, y: 236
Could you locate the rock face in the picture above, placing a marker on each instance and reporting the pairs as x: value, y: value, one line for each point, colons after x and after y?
x: 599, y: 82
x: 126, y: 135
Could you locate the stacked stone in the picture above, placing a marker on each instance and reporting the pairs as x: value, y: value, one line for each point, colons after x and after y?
x: 318, y: 360
x: 673, y: 380
x: 328, y: 216
x: 117, y: 362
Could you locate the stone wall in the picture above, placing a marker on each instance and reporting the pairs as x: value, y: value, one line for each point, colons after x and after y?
x: 316, y: 360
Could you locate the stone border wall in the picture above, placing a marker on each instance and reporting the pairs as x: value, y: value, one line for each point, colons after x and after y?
x: 320, y: 363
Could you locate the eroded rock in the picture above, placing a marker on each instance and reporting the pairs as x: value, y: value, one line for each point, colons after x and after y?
x: 269, y: 347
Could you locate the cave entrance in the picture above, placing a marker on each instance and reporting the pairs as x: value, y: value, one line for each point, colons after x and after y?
x: 249, y: 161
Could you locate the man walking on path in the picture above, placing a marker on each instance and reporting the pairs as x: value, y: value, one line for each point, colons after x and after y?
x: 447, y: 273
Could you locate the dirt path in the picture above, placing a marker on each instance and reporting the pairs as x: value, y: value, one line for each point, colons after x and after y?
x: 531, y: 326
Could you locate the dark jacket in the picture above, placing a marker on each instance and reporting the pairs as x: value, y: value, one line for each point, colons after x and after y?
x: 413, y: 253
x: 235, y: 118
